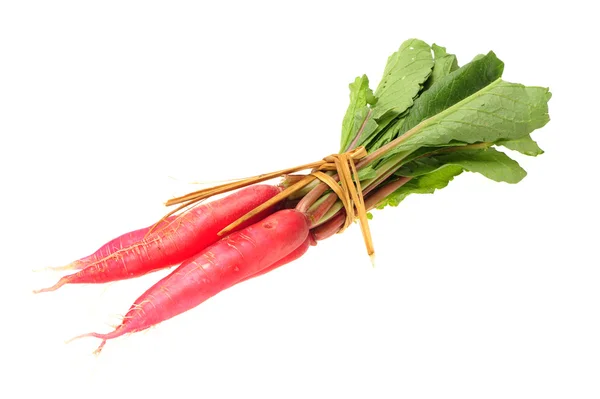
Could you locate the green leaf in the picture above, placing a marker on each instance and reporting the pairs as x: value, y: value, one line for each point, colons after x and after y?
x: 366, y: 173
x: 444, y: 92
x: 386, y: 135
x: 444, y: 63
x: 524, y: 145
x: 405, y: 73
x: 360, y: 97
x: 426, y: 184
x: 454, y: 87
x: 499, y: 111
x: 493, y: 164
x: 365, y: 123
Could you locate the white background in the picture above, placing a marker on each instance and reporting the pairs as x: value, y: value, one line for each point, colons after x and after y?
x: 107, y: 109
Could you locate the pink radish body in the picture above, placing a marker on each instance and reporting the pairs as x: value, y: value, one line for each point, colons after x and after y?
x: 292, y: 256
x: 114, y: 245
x: 230, y: 260
x: 185, y: 236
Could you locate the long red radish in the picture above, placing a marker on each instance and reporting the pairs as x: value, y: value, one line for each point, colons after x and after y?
x: 292, y: 256
x: 235, y: 257
x: 182, y: 238
x: 114, y: 245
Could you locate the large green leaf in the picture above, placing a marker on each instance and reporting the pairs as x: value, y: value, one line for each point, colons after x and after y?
x: 446, y: 91
x: 405, y: 72
x: 444, y: 63
x: 454, y: 87
x: 493, y: 164
x: 386, y: 135
x: 499, y: 111
x: 524, y: 145
x: 360, y: 97
x: 426, y: 184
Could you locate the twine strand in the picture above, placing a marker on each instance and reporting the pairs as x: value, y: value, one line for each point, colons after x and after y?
x: 348, y: 190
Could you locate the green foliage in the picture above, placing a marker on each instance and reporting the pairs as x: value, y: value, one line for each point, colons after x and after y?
x: 431, y: 120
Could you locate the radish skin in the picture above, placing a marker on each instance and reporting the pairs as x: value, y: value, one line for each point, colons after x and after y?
x: 114, y: 245
x: 295, y: 254
x: 227, y: 262
x: 182, y: 238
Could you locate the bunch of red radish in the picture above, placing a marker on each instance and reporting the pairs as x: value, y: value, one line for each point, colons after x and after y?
x: 208, y: 263
x: 426, y: 123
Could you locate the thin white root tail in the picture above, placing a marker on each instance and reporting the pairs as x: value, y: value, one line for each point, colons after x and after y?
x: 94, y: 335
x: 70, y: 266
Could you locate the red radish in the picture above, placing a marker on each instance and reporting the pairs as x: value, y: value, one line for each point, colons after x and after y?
x: 182, y: 238
x: 292, y: 256
x: 235, y: 257
x: 114, y: 245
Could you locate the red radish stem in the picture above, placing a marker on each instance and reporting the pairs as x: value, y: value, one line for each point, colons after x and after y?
x: 315, y: 214
x: 335, y: 223
x: 382, y: 192
x: 184, y: 237
x: 313, y: 195
x: 331, y: 227
x: 354, y: 142
x: 235, y: 257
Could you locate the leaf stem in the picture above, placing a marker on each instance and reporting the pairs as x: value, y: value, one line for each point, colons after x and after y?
x: 320, y: 208
x: 360, y: 131
x: 336, y: 221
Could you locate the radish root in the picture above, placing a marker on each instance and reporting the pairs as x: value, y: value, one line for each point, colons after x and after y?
x: 56, y: 286
x: 71, y: 266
